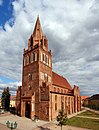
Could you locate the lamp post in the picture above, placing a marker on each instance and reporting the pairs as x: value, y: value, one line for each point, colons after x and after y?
x: 11, y: 126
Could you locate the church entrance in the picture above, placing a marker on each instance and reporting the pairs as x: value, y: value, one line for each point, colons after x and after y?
x: 27, y: 109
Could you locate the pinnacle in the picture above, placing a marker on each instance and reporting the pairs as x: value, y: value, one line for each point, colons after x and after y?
x: 38, y: 29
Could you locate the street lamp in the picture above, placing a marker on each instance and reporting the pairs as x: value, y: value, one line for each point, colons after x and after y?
x: 11, y: 126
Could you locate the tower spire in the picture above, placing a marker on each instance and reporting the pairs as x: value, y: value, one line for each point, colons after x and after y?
x: 37, y: 33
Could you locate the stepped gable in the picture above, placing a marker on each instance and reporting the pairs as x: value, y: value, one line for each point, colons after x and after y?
x: 60, y: 81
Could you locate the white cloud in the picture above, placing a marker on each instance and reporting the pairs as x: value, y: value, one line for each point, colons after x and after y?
x: 72, y: 29
x: 1, y: 2
x: 12, y: 87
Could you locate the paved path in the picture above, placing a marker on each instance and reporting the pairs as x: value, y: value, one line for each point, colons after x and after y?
x: 23, y: 123
x: 28, y: 124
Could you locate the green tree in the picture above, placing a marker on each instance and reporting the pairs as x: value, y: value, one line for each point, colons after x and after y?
x: 62, y: 118
x: 5, y: 99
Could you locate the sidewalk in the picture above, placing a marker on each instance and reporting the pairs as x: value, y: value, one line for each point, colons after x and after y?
x: 23, y: 123
x: 28, y: 124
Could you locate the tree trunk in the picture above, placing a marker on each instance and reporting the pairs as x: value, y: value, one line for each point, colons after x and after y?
x: 61, y: 127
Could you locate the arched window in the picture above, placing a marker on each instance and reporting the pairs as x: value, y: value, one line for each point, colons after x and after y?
x: 46, y: 77
x: 41, y: 56
x: 24, y: 61
x: 28, y: 59
x: 29, y: 77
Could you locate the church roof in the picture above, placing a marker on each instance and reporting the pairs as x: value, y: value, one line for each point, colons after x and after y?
x: 38, y: 29
x: 60, y: 81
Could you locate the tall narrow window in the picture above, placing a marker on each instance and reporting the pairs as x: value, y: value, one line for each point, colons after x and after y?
x: 55, y: 106
x: 47, y: 110
x: 35, y: 56
x: 41, y: 56
x: 55, y: 97
x: 28, y: 59
x: 46, y: 77
x: 32, y: 57
x: 62, y: 102
x: 55, y: 102
x: 45, y: 59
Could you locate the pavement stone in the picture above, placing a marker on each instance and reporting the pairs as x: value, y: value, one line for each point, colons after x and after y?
x: 28, y: 124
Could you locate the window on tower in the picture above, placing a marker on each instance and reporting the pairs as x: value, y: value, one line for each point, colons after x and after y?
x: 43, y: 57
x: 29, y: 77
x: 46, y: 77
x: 35, y: 56
x: 28, y: 59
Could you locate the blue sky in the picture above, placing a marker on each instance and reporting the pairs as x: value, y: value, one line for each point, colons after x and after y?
x: 72, y: 29
x: 6, y: 12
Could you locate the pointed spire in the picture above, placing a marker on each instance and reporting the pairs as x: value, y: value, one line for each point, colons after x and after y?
x: 38, y: 30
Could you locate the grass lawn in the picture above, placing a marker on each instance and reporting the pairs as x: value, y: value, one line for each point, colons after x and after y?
x: 89, y: 114
x: 92, y: 124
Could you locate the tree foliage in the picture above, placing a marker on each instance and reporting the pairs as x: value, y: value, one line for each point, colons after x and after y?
x: 62, y: 118
x: 5, y: 99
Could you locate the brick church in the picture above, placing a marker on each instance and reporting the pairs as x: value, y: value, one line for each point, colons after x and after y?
x: 43, y: 92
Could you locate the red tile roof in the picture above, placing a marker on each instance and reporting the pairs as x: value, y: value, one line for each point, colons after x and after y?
x: 84, y: 97
x: 60, y: 81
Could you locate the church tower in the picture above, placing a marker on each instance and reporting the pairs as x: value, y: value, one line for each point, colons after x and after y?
x: 37, y: 76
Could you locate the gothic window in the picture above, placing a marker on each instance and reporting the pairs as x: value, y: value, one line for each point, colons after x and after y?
x: 29, y: 77
x: 65, y: 91
x: 44, y: 42
x: 68, y: 105
x: 47, y: 110
x: 48, y: 61
x: 55, y: 106
x: 55, y: 102
x: 46, y: 77
x: 61, y: 90
x: 41, y: 56
x: 45, y: 59
x: 30, y: 87
x: 54, y: 89
x: 58, y: 90
x: 28, y: 59
x: 55, y: 97
x: 35, y: 56
x: 41, y: 42
x: 32, y: 57
x: 62, y: 102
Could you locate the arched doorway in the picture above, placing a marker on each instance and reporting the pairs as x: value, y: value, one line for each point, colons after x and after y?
x: 27, y: 109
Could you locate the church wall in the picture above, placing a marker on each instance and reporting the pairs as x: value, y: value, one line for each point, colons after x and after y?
x: 44, y: 98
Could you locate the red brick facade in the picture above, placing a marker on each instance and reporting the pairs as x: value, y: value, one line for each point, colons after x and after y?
x: 43, y: 92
